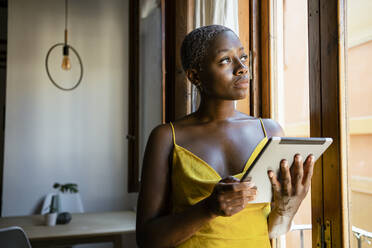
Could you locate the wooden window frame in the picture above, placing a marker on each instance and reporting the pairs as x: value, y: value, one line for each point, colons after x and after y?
x: 327, y: 78
x: 260, y: 88
x: 327, y: 84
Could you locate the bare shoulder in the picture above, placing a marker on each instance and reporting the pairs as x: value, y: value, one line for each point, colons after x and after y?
x: 161, y: 133
x: 159, y: 144
x: 272, y: 127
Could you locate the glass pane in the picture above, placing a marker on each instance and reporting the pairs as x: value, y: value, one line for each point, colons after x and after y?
x: 360, y: 120
x: 291, y: 94
x: 150, y: 74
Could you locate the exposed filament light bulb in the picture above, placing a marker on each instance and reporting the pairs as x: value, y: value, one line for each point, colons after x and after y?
x: 66, y: 64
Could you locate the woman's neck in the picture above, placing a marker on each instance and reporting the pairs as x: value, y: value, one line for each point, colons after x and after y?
x: 215, y: 109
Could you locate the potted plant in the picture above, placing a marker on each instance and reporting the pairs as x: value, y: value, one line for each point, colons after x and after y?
x: 69, y: 198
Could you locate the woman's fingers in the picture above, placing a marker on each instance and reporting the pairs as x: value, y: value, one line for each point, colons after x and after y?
x: 239, y: 201
x: 293, y: 185
x: 236, y: 205
x: 231, y: 196
x: 297, y: 171
x: 286, y: 177
x: 274, y: 182
x: 234, y: 187
x: 308, y: 170
x: 243, y: 194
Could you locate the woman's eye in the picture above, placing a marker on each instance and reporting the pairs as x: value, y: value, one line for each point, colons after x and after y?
x: 244, y: 58
x: 225, y: 60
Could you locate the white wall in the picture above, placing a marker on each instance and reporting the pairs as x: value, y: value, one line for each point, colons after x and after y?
x: 55, y: 136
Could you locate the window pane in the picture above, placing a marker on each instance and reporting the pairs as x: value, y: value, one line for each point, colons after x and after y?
x: 291, y: 94
x: 360, y: 118
x: 150, y: 75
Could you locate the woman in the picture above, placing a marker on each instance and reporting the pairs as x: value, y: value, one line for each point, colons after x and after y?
x: 191, y: 195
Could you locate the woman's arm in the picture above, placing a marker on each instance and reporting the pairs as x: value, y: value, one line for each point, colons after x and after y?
x: 156, y: 226
x: 290, y: 191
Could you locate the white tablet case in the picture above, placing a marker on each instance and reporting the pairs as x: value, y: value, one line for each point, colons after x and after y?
x: 277, y: 149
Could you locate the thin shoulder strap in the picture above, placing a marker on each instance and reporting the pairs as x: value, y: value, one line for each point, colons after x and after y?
x: 173, y: 135
x: 263, y: 127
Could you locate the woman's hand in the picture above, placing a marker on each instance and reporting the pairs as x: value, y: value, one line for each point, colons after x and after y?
x: 230, y: 196
x: 294, y: 184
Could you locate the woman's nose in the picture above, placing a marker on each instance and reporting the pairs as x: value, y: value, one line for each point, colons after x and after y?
x: 241, y: 69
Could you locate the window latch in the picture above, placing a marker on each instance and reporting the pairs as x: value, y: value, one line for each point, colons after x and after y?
x: 324, y: 238
x: 327, y: 234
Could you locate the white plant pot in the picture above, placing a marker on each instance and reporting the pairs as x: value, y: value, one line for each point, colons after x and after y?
x: 50, y: 219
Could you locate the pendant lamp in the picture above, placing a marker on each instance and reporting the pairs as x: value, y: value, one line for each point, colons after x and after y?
x: 66, y: 63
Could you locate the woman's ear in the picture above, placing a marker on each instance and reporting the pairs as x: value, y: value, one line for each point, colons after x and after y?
x: 193, y: 76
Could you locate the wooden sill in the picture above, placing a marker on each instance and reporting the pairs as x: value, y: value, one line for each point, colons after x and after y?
x: 361, y: 184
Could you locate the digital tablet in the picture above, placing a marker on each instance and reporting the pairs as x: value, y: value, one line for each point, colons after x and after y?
x: 276, y: 149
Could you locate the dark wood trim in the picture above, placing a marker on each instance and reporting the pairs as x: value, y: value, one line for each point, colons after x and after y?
x: 133, y: 95
x: 3, y: 67
x: 260, y: 89
x: 330, y: 92
x: 255, y: 45
x: 317, y: 197
x: 170, y: 43
x: 325, y: 117
x: 265, y: 59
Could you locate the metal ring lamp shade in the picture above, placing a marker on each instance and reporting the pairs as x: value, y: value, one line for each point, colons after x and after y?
x: 50, y: 76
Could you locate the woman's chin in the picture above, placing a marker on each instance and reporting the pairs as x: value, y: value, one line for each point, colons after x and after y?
x: 242, y: 95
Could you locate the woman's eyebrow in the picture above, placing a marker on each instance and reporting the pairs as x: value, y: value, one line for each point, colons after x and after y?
x: 226, y: 50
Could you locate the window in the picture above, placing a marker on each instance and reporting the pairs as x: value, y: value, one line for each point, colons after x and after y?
x: 359, y: 98
x: 325, y: 43
x: 290, y: 80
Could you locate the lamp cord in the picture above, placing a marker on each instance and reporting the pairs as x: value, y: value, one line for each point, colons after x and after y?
x: 66, y: 16
x: 66, y: 12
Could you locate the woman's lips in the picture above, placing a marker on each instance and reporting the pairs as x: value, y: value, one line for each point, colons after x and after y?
x: 242, y: 83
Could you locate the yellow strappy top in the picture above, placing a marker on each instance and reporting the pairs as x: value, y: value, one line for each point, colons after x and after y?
x: 193, y: 179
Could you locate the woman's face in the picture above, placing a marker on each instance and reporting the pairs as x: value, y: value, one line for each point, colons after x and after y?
x: 224, y: 71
